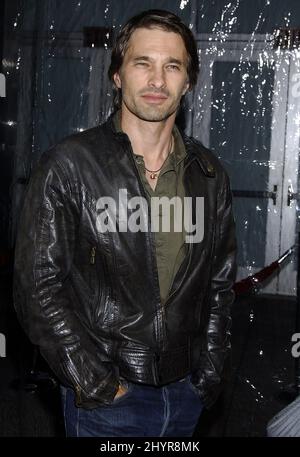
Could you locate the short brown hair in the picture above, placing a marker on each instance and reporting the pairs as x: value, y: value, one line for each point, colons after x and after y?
x: 161, y: 19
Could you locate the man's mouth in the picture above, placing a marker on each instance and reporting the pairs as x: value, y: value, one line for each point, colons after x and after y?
x: 154, y: 98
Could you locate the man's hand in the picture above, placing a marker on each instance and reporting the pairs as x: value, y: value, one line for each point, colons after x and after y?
x: 122, y: 390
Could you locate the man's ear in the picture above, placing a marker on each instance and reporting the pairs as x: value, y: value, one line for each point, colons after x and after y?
x: 117, y: 80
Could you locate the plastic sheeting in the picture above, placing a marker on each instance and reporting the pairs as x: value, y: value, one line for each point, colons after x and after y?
x: 245, y: 107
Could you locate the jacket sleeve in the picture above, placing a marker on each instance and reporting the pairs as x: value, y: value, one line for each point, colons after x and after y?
x: 215, y: 360
x: 46, y: 240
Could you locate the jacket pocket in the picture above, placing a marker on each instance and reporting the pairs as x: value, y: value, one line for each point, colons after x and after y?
x: 94, y: 277
x: 102, y: 309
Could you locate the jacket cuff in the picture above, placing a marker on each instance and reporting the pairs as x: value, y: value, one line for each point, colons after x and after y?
x: 83, y: 400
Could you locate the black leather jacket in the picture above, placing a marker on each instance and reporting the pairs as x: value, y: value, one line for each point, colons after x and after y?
x: 91, y: 300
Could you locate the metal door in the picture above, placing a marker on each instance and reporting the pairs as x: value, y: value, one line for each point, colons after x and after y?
x: 246, y: 109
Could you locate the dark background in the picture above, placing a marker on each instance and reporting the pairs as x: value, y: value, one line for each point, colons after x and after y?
x: 263, y: 369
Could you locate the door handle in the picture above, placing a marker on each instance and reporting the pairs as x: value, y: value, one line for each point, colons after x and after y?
x: 291, y: 195
x: 257, y: 194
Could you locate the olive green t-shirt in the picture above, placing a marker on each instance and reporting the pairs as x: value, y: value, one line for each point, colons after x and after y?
x: 169, y: 243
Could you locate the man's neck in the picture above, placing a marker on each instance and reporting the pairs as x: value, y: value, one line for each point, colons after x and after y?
x: 149, y: 139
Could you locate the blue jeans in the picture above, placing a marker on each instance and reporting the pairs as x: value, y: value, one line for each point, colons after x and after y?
x: 172, y: 410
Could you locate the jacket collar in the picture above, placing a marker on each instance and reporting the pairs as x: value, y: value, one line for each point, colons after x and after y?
x: 194, y: 149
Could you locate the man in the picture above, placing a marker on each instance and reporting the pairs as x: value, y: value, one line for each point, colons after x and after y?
x: 133, y: 318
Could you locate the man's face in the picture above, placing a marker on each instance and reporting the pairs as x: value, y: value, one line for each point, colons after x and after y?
x: 153, y: 76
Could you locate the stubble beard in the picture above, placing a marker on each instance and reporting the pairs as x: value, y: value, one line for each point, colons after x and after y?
x: 151, y: 113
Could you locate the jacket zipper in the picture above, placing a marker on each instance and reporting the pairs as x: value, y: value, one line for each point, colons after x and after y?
x: 77, y: 387
x: 98, y: 289
x: 161, y: 326
x: 162, y: 336
x: 182, y: 279
x: 188, y: 251
x: 78, y: 395
x: 93, y: 255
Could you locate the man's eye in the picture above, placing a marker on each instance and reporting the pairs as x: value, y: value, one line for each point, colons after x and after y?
x: 173, y: 67
x: 141, y: 64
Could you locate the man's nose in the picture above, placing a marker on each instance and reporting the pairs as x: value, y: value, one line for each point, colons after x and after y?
x: 157, y: 78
